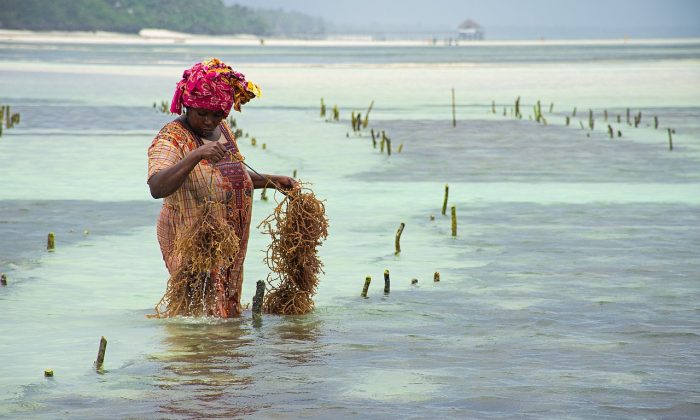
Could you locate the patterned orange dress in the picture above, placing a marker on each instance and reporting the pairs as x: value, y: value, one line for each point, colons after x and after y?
x: 226, y: 182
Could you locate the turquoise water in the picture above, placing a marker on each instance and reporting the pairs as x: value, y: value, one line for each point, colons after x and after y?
x: 571, y: 289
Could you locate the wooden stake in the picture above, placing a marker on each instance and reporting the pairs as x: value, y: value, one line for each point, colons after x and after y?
x: 388, y: 146
x: 3, y: 280
x: 517, y: 108
x: 493, y: 107
x: 397, y: 240
x: 656, y: 122
x: 374, y: 141
x: 400, y: 148
x: 670, y: 140
x: 605, y: 115
x: 294, y: 174
x: 568, y: 120
x: 454, y: 220
x: 628, y: 117
x: 101, y: 354
x: 573, y: 114
x: 610, y: 131
x: 436, y: 277
x: 551, y: 107
x: 264, y: 146
x: 387, y: 282
x: 454, y: 115
x: 591, y: 121
x: 323, y: 108
x: 258, y: 298
x: 619, y: 120
x: 253, y: 142
x: 51, y: 242
x: 619, y: 133
x: 368, y: 280
x: 381, y: 145
x: 336, y: 113
x: 444, y: 202
x: 366, y: 121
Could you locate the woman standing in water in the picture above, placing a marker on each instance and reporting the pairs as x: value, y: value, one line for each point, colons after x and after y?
x: 195, y: 159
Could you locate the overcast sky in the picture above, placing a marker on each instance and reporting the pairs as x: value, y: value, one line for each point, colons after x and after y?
x: 508, y: 18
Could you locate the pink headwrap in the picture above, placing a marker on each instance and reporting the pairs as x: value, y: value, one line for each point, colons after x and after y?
x: 214, y: 86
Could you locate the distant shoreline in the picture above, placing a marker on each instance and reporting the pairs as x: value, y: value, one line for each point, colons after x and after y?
x: 163, y: 37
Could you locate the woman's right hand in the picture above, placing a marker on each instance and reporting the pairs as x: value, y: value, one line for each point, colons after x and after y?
x: 212, y: 151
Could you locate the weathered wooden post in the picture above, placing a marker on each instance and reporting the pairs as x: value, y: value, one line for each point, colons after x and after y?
x: 517, y: 108
x: 400, y: 148
x: 436, y: 277
x: 336, y: 113
x: 381, y: 145
x: 551, y: 107
x: 253, y: 142
x: 573, y: 114
x: 374, y: 141
x: 258, y: 298
x: 51, y: 242
x: 656, y: 122
x: 397, y: 240
x: 444, y: 202
x: 493, y: 107
x: 567, y: 120
x: 628, y: 117
x: 101, y: 354
x: 670, y: 140
x: 387, y: 282
x: 605, y: 115
x: 591, y: 121
x: 388, y: 146
x: 454, y: 220
x: 619, y: 120
x: 454, y: 115
x: 3, y: 279
x: 366, y: 121
x: 323, y: 108
x: 365, y: 288
x: 294, y: 174
x: 610, y: 131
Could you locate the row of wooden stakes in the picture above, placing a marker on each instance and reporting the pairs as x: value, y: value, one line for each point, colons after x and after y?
x: 631, y: 120
x: 387, y: 283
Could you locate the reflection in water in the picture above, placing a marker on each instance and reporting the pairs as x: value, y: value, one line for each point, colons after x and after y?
x: 216, y: 368
x: 206, y: 362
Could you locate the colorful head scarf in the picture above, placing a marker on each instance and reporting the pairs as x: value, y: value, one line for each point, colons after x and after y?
x: 213, y: 85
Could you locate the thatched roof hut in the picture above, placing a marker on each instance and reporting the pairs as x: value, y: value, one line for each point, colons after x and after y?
x: 470, y: 29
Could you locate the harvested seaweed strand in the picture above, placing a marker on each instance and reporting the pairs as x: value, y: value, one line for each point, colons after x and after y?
x: 297, y: 227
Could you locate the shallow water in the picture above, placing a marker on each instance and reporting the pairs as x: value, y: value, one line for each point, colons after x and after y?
x: 571, y: 290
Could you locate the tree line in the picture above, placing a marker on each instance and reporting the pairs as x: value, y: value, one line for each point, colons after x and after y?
x: 209, y: 17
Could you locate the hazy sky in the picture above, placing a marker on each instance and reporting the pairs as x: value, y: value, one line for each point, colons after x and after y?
x: 508, y: 18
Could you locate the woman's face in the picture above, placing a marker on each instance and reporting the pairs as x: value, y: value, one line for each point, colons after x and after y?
x: 204, y: 121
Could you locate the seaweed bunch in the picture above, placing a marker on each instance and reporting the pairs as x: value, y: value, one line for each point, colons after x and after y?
x: 297, y: 226
x: 203, y: 246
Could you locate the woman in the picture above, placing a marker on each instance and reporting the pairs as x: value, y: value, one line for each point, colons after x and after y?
x: 195, y: 158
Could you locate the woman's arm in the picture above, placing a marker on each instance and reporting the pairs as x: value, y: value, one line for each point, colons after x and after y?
x: 168, y: 180
x: 281, y: 182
